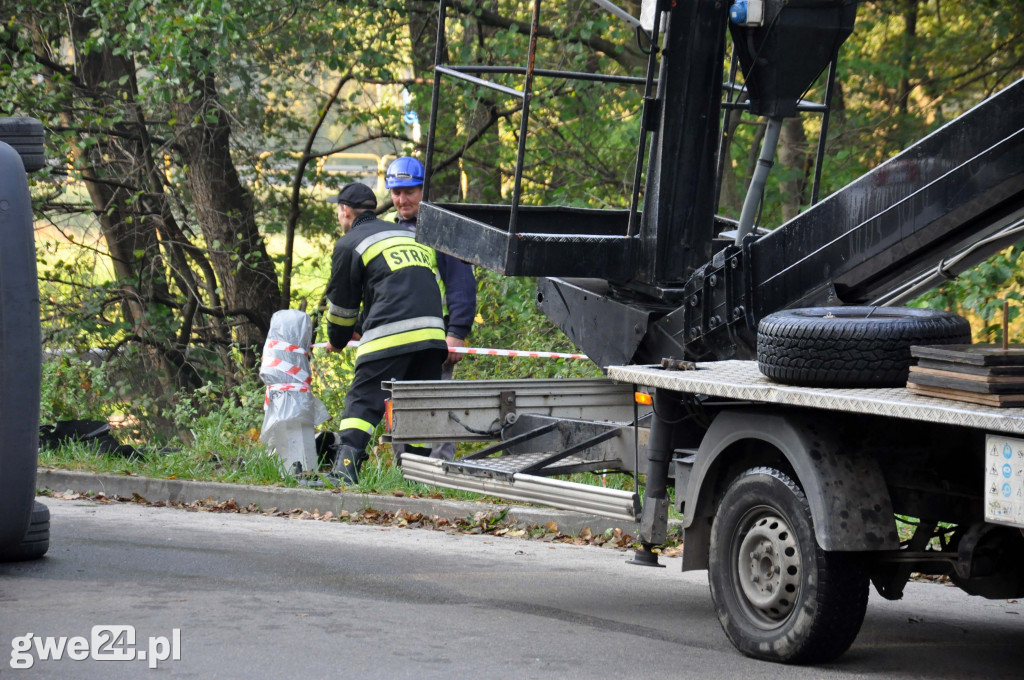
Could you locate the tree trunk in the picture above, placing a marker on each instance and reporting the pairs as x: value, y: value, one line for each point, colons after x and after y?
x: 906, y: 58
x: 730, y: 202
x: 224, y: 211
x: 793, y: 154
x: 115, y: 173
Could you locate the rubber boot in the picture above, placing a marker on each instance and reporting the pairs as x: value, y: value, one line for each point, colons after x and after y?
x: 347, y: 462
x: 326, y: 447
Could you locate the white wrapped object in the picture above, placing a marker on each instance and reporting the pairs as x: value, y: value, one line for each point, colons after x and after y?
x: 647, y: 8
x: 290, y: 411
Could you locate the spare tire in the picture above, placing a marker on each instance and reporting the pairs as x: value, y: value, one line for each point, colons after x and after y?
x: 851, y: 346
x: 26, y: 136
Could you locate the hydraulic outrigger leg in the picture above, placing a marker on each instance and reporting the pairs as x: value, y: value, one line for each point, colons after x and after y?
x: 668, y: 413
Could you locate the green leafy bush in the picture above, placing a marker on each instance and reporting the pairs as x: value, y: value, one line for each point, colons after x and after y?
x: 508, y: 318
x: 75, y: 389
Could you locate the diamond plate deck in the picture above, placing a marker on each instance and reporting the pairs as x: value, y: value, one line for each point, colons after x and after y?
x: 519, y: 461
x: 742, y: 380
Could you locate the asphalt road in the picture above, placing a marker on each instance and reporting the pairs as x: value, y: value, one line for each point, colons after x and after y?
x: 267, y: 597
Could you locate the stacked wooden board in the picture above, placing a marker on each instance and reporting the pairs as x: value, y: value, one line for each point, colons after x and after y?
x: 980, y: 374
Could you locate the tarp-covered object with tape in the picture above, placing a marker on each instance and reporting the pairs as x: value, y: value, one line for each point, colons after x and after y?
x: 291, y: 410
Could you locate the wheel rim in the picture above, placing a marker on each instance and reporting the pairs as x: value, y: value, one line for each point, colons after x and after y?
x: 767, y: 562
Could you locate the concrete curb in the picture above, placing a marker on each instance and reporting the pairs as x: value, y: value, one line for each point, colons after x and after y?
x: 266, y: 497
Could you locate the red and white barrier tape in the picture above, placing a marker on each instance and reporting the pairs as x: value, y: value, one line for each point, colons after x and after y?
x: 288, y: 369
x: 284, y: 387
x: 282, y: 346
x: 288, y: 387
x: 489, y: 351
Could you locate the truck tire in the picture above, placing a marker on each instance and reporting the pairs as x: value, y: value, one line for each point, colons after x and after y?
x: 37, y: 538
x: 851, y: 346
x: 26, y: 136
x: 778, y: 596
x: 20, y: 343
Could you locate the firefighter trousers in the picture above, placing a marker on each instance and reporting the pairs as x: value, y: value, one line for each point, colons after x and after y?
x: 364, y: 403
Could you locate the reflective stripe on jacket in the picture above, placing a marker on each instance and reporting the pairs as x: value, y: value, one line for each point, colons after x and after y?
x: 381, y: 267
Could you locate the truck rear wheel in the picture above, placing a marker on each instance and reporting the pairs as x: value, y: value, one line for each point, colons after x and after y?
x: 778, y: 595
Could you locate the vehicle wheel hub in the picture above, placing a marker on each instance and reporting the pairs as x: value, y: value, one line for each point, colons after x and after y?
x: 768, y: 564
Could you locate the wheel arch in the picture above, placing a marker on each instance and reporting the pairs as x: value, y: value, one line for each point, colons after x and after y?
x: 848, y: 497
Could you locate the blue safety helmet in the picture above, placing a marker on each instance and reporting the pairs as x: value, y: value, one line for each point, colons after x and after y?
x: 404, y: 172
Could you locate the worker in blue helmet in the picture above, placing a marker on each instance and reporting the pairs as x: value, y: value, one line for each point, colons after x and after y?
x: 404, y: 179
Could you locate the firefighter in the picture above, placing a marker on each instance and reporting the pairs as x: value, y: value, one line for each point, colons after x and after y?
x: 379, y: 265
x: 404, y: 178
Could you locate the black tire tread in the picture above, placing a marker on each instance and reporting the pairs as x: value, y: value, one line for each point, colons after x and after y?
x: 37, y: 538
x: 27, y: 137
x: 797, y: 349
x: 842, y: 594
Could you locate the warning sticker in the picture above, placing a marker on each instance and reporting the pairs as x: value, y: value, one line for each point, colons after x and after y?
x: 1004, y: 480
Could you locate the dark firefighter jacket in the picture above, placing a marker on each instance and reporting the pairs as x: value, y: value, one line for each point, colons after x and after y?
x: 380, y: 265
x: 458, y: 286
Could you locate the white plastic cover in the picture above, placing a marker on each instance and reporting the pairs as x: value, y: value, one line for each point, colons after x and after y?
x: 647, y: 16
x: 285, y: 372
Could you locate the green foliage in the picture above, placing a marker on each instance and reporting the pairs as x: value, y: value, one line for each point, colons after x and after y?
x: 216, y: 417
x: 979, y: 293
x: 508, y: 318
x: 908, y: 68
x: 332, y: 374
x: 74, y: 389
x: 217, y: 440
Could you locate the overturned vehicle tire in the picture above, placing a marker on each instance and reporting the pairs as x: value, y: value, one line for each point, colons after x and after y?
x: 36, y: 541
x: 851, y: 346
x: 26, y: 136
x: 24, y: 527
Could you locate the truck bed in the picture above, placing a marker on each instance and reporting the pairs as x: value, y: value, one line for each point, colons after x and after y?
x: 741, y: 380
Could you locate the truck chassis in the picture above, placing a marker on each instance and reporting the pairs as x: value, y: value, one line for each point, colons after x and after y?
x: 789, y: 495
